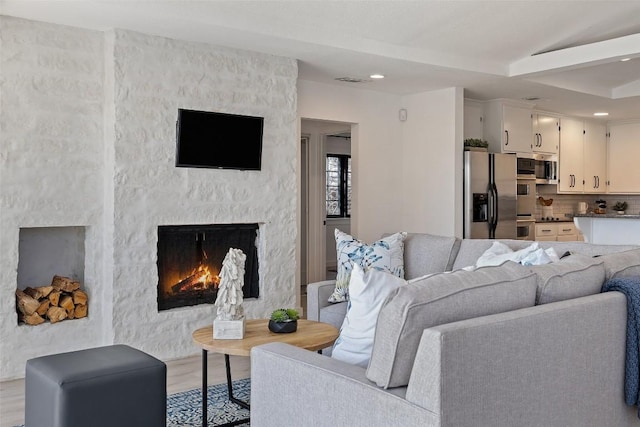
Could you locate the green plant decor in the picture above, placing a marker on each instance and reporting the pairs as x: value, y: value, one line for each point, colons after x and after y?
x: 284, y: 315
x: 474, y: 142
x: 620, y: 206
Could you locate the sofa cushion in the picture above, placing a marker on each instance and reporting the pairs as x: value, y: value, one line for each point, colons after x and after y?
x: 428, y: 253
x: 439, y: 299
x: 367, y: 291
x: 333, y: 314
x: 583, y: 248
x: 387, y: 254
x: 573, y: 276
x: 622, y: 264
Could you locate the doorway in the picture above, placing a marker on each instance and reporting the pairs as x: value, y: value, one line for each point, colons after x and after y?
x: 317, y: 244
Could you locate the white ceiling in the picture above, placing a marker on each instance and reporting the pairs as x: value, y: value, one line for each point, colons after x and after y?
x: 567, y: 53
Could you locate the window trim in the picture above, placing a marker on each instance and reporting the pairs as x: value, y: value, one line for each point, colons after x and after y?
x: 343, y: 187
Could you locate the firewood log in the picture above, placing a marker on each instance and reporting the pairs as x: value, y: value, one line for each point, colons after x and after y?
x: 44, y: 290
x: 33, y: 292
x: 26, y: 304
x: 80, y: 311
x: 66, y: 302
x: 56, y: 314
x: 66, y: 284
x: 44, y: 306
x: 54, y: 297
x: 33, y: 319
x: 79, y: 297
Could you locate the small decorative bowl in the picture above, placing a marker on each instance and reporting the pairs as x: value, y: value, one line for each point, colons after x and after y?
x: 283, y: 327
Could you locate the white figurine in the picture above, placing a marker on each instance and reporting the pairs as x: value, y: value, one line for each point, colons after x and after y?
x: 229, y: 300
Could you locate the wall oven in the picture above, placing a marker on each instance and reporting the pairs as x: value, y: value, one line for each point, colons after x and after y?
x: 526, y: 188
x: 526, y: 229
x: 526, y: 198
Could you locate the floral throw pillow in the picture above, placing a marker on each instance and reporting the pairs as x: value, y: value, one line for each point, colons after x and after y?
x: 387, y: 254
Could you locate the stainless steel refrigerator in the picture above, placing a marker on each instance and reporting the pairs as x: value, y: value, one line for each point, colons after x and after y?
x: 490, y: 209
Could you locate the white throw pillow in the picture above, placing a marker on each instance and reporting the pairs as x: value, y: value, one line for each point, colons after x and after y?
x: 367, y: 292
x: 387, y: 254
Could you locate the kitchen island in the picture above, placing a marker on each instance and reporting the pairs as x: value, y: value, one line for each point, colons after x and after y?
x: 609, y: 229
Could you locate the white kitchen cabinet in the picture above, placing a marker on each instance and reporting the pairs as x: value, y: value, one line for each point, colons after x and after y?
x: 595, y: 157
x: 559, y: 231
x: 583, y: 157
x: 546, y: 231
x: 546, y: 133
x: 508, y: 126
x: 473, y: 120
x: 571, y: 162
x: 624, y: 152
x: 567, y: 229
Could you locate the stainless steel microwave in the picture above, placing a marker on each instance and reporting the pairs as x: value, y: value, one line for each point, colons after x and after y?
x: 546, y: 167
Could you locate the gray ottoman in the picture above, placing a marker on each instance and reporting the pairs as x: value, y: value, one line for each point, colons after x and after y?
x: 99, y: 387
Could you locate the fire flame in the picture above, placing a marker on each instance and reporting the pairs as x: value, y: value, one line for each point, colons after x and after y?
x: 201, y: 278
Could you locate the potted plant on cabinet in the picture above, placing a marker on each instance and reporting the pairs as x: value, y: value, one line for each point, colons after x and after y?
x: 284, y: 320
x: 474, y: 144
x: 620, y: 207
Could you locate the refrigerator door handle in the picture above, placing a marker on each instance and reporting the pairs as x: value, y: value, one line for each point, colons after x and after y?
x: 493, y: 210
x: 495, y: 207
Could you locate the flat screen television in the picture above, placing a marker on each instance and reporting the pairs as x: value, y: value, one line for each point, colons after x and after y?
x: 208, y: 139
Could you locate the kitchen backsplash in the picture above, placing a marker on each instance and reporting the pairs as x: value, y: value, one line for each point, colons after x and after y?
x: 567, y: 204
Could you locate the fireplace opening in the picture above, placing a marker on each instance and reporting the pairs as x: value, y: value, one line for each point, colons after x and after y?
x: 190, y: 258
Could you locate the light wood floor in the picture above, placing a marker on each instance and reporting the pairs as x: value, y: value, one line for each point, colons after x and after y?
x: 182, y: 374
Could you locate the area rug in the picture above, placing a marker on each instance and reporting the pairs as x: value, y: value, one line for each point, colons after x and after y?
x: 185, y: 409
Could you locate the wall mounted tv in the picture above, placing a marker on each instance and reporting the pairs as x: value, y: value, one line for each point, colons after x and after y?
x: 218, y: 140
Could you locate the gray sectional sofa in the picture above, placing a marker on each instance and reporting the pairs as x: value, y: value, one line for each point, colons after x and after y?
x: 467, y: 348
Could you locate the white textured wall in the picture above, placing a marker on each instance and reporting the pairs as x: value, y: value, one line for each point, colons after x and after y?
x: 51, y: 169
x: 87, y: 138
x: 153, y: 78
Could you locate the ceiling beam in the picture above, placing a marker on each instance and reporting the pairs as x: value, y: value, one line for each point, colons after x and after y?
x: 627, y: 90
x: 577, y: 57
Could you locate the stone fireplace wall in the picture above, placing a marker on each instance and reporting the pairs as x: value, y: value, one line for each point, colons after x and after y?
x: 88, y: 139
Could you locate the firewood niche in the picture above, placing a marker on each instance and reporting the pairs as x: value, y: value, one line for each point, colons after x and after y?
x: 61, y: 300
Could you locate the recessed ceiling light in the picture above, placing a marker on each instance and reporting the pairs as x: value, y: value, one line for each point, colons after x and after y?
x: 376, y: 76
x: 352, y: 80
x: 625, y: 59
x: 600, y: 114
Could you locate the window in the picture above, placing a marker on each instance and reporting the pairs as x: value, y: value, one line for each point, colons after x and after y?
x: 338, y: 182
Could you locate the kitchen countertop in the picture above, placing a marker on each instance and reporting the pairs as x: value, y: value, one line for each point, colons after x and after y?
x: 608, y: 215
x: 609, y: 228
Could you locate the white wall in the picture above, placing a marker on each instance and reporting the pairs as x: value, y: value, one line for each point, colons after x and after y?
x: 432, y: 162
x: 407, y: 175
x: 88, y: 140
x: 376, y: 150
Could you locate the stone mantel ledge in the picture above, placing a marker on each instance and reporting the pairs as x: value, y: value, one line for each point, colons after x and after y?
x: 607, y: 215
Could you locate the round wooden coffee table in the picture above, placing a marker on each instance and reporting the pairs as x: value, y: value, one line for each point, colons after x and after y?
x: 310, y: 335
